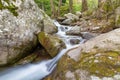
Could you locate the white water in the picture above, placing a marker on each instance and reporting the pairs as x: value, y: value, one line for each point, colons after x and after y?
x: 40, y: 70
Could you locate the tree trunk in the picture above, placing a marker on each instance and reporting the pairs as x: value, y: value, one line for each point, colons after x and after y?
x: 99, y: 3
x: 84, y: 5
x: 43, y: 6
x: 70, y: 6
x: 59, y: 5
x: 53, y: 10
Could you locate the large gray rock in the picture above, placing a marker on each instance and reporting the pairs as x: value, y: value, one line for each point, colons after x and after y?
x: 17, y: 33
x: 74, y: 31
x: 96, y: 59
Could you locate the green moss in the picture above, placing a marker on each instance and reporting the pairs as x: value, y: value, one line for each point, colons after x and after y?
x: 107, y: 6
x: 102, y: 64
x: 11, y: 7
x: 118, y: 21
x: 52, y: 44
x: 64, y: 10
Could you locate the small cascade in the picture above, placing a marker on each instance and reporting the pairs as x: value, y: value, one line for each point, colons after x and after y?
x: 39, y: 70
x: 66, y: 38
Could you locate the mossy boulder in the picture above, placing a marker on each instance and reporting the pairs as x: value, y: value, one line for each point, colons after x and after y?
x: 98, y: 57
x: 18, y: 33
x: 52, y: 44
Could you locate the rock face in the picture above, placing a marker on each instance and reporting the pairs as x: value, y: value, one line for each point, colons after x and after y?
x: 74, y: 31
x: 52, y: 44
x: 88, y: 35
x: 74, y: 41
x: 17, y: 33
x: 67, y: 21
x: 99, y: 56
x: 79, y: 14
x: 70, y: 18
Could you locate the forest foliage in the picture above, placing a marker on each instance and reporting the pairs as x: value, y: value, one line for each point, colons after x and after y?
x: 64, y: 8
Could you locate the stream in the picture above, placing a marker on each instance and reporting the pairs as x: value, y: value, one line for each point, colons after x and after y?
x: 37, y: 71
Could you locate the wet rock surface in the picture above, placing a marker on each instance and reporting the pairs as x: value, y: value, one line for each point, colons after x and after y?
x: 74, y: 41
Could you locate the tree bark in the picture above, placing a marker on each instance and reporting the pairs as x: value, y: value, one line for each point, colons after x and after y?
x: 99, y: 3
x: 53, y: 10
x: 70, y: 6
x: 59, y: 5
x: 43, y: 6
x: 84, y: 5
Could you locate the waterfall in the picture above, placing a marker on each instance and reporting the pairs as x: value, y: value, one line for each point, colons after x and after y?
x: 39, y: 70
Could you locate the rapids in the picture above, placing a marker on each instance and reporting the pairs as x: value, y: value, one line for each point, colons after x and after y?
x: 38, y: 71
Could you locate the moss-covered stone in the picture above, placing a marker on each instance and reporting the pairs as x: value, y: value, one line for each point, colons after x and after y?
x: 101, y: 64
x: 52, y: 44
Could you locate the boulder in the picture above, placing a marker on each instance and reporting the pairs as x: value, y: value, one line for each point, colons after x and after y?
x: 74, y: 31
x: 53, y: 45
x: 74, y: 41
x: 60, y: 19
x: 79, y: 14
x: 18, y: 33
x: 67, y: 22
x: 97, y: 59
x: 71, y: 16
x: 88, y: 35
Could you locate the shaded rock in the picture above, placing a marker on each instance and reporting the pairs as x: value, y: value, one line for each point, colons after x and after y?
x: 52, y: 44
x: 79, y: 14
x: 74, y: 41
x: 88, y: 35
x: 98, y: 58
x: 67, y: 22
x: 60, y: 19
x: 38, y: 55
x: 17, y: 33
x: 74, y: 31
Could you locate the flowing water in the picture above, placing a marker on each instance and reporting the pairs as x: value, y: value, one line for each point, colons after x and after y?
x: 39, y: 70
